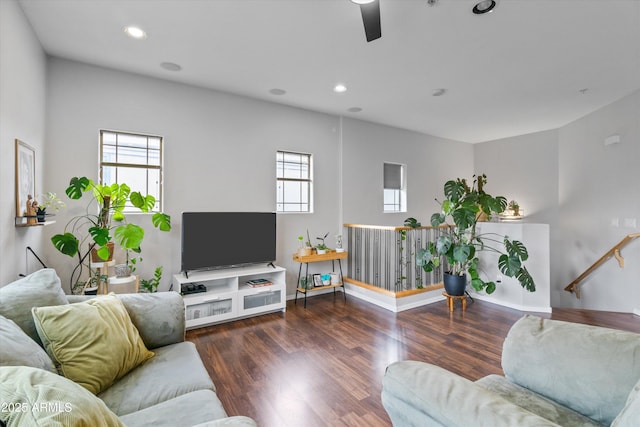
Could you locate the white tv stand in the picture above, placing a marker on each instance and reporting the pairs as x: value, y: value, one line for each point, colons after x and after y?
x: 228, y: 297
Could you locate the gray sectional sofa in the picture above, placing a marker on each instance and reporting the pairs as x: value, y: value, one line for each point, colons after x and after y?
x: 556, y: 374
x: 172, y: 388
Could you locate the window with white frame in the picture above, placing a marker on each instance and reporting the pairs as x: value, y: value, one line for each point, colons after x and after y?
x: 294, y: 183
x: 133, y: 159
x: 395, y: 194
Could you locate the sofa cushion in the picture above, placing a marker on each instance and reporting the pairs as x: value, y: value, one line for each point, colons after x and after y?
x: 417, y: 394
x: 185, y: 410
x: 236, y: 421
x: 159, y: 317
x: 18, y: 349
x: 35, y: 397
x: 535, y: 403
x: 175, y: 370
x: 586, y: 368
x: 630, y: 415
x: 38, y: 289
x: 92, y: 343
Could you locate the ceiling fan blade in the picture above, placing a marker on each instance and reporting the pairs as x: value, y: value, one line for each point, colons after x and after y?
x: 371, y: 20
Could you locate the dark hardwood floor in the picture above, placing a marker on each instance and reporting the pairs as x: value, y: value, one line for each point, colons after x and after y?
x: 323, y: 365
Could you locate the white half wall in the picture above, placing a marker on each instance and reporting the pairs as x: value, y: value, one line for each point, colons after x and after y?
x: 509, y: 293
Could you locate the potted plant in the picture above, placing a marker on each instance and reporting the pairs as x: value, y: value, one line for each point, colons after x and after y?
x: 303, y: 249
x: 321, y: 248
x: 95, y: 225
x: 151, y: 285
x: 459, y: 243
x: 49, y: 201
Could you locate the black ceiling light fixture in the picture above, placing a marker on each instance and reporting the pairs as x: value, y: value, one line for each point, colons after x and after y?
x: 484, y: 6
x: 370, y: 10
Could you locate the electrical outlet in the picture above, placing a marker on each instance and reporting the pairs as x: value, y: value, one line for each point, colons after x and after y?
x: 614, y: 222
x: 630, y: 222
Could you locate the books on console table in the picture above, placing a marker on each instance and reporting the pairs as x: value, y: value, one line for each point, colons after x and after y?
x: 256, y: 283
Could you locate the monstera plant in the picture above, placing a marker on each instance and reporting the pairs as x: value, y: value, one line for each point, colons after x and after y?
x: 104, y: 222
x: 459, y: 242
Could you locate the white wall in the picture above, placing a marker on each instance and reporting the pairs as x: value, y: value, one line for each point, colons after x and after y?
x: 598, y: 184
x: 570, y: 180
x: 430, y: 161
x: 22, y: 116
x: 219, y: 153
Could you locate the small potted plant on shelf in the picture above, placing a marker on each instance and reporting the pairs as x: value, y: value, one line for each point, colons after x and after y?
x: 459, y: 242
x: 321, y: 248
x: 304, y: 249
x: 49, y: 201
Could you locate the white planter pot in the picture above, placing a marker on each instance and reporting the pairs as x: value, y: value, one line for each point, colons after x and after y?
x: 321, y: 251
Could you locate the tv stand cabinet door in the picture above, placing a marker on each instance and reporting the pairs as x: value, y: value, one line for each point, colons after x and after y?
x: 261, y: 300
x: 209, y: 308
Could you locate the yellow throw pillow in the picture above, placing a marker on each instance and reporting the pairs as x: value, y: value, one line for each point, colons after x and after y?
x: 93, y: 343
x: 35, y: 397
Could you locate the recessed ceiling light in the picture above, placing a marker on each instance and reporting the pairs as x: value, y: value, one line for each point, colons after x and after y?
x: 171, y: 66
x: 439, y: 92
x: 484, y: 6
x: 339, y: 88
x: 362, y: 1
x: 354, y: 109
x: 276, y: 91
x: 135, y: 32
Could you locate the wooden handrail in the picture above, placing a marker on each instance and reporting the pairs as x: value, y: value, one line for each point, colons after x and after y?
x: 614, y: 251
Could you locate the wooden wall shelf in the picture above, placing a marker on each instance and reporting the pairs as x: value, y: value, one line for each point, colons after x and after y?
x: 23, y: 221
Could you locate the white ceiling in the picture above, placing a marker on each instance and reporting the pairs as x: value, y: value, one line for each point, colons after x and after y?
x: 517, y: 70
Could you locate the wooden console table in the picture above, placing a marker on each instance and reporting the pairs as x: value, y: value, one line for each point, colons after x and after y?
x: 331, y: 256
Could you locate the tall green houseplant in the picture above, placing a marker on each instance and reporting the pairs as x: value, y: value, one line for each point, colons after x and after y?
x: 459, y: 242
x: 104, y: 220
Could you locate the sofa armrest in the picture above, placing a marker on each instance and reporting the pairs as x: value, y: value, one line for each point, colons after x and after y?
x: 159, y: 317
x: 420, y: 394
x: 237, y: 421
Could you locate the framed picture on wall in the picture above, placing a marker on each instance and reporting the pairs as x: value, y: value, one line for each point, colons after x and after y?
x: 25, y: 176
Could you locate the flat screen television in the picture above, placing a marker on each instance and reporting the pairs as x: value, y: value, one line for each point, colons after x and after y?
x: 212, y: 240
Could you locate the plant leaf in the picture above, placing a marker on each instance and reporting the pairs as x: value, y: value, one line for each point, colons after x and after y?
x: 129, y: 236
x: 422, y: 257
x: 161, y: 221
x: 436, y: 219
x: 66, y: 243
x: 516, y: 248
x: 461, y: 253
x: 525, y: 279
x: 144, y: 203
x: 464, y: 218
x: 103, y: 252
x: 100, y: 235
x: 77, y: 186
x: 509, y: 265
x: 490, y: 287
x: 443, y: 243
x: 453, y: 190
